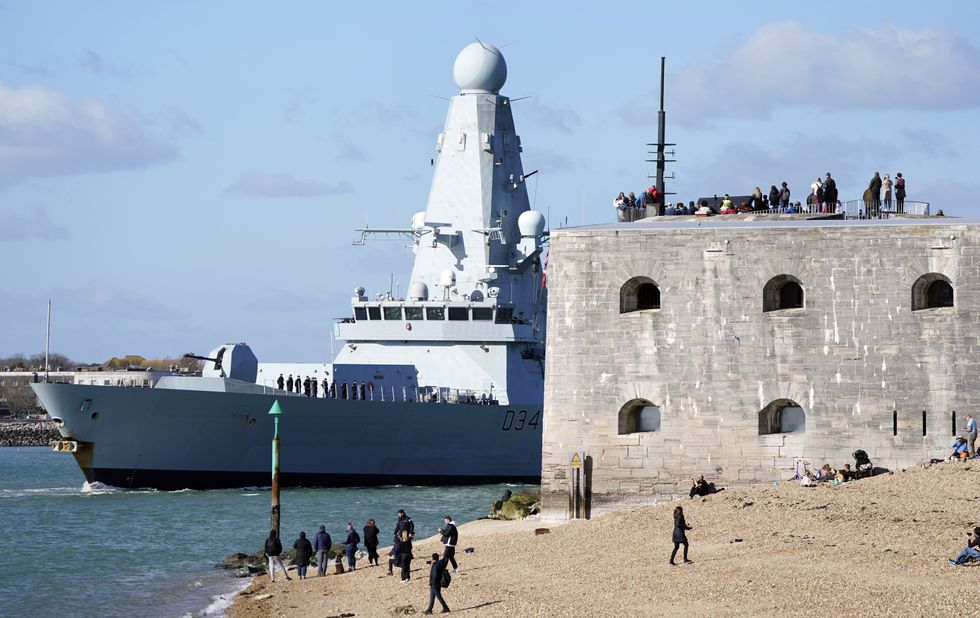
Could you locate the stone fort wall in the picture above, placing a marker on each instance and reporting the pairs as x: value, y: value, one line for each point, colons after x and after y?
x: 867, y: 370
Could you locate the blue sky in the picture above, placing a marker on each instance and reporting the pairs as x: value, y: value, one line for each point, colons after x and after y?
x: 178, y: 175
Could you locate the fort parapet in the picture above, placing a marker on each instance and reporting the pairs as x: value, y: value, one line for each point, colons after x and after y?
x: 735, y: 348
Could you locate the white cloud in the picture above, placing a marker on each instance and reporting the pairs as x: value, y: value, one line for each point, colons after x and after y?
x: 785, y: 64
x: 35, y: 225
x: 43, y: 133
x: 284, y: 185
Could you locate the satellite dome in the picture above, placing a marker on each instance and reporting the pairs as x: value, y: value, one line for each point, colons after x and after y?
x: 447, y: 278
x: 480, y: 67
x: 418, y: 220
x: 418, y: 291
x: 531, y: 224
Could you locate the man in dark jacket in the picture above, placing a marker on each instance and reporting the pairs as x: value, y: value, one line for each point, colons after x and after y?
x: 289, y: 384
x: 450, y: 536
x: 830, y: 192
x: 875, y: 187
x: 273, y: 551
x: 435, y: 584
x: 303, y: 552
x: 321, y: 544
x: 281, y: 382
x: 371, y: 533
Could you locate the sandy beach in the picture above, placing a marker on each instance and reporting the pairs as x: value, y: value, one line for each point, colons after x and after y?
x: 872, y: 547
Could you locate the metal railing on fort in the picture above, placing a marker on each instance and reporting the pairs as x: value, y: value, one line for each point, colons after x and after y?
x: 851, y: 209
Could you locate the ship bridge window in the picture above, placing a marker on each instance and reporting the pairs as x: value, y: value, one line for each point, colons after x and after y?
x: 459, y: 314
x: 482, y: 313
x: 782, y: 416
x: 435, y: 313
x: 505, y: 315
x: 931, y: 291
x: 374, y: 313
x: 638, y: 415
x: 413, y: 313
x: 782, y: 292
x: 393, y: 313
x: 360, y: 313
x: 637, y: 294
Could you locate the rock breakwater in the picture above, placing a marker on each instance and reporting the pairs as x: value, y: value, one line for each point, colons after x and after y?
x: 28, y: 433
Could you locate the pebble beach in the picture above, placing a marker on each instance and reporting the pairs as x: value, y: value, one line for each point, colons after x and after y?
x: 872, y: 547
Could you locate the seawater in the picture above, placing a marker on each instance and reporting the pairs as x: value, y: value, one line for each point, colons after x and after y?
x: 75, y: 550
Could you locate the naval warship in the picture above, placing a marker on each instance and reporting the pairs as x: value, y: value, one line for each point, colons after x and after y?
x: 444, y: 386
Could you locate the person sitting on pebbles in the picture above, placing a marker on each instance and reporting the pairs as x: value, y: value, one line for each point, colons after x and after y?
x: 701, y: 487
x: 972, y: 550
x: 827, y: 473
x: 960, y: 449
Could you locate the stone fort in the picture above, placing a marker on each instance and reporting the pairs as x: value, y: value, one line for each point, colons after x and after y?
x: 733, y: 348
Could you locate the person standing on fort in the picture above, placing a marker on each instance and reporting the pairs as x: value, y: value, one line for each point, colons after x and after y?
x: 281, y: 382
x: 886, y: 184
x: 971, y: 435
x: 306, y: 386
x: 784, y: 195
x: 899, y: 193
x: 875, y: 187
x: 435, y: 584
x: 830, y: 192
x: 304, y: 549
x: 350, y: 546
x: 321, y: 544
x: 289, y: 384
x: 450, y: 536
x: 273, y: 551
x: 680, y: 534
x: 371, y: 533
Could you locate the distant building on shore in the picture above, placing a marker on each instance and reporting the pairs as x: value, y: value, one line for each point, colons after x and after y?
x: 734, y: 349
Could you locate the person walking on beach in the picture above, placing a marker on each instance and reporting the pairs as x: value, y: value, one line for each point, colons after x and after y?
x: 281, y: 382
x: 405, y: 556
x: 273, y: 551
x: 450, y: 536
x: 350, y: 546
x: 680, y: 534
x: 971, y: 435
x: 436, y: 573
x: 304, y: 549
x: 371, y: 533
x: 322, y: 543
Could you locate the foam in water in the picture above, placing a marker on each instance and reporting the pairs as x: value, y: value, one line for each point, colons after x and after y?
x: 97, y: 488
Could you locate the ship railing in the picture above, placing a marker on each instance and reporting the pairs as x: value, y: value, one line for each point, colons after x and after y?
x: 368, y: 391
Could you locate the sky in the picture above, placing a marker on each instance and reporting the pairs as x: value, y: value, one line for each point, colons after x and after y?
x: 178, y: 175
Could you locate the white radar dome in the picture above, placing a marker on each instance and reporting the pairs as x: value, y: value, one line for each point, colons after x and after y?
x: 418, y: 291
x: 531, y: 224
x: 480, y: 67
x: 447, y: 279
x: 418, y: 220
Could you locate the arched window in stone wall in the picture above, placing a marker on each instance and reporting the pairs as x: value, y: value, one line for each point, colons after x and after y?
x: 782, y: 292
x: 782, y: 416
x: 639, y: 415
x: 637, y: 294
x: 932, y: 290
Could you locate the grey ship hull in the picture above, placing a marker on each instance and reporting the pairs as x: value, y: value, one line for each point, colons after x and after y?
x: 174, y: 439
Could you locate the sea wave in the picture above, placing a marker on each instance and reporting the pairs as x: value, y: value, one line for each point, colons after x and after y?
x: 38, y: 491
x: 221, y: 602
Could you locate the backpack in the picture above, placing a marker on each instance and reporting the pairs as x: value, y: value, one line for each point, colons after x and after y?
x: 446, y: 579
x: 357, y: 538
